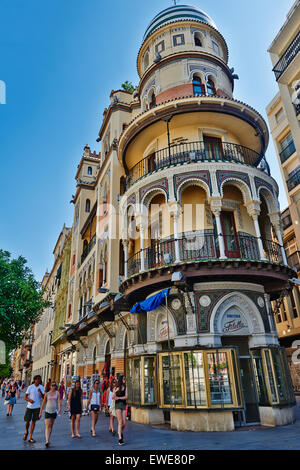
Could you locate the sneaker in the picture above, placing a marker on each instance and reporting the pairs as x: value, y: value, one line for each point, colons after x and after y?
x: 121, y: 442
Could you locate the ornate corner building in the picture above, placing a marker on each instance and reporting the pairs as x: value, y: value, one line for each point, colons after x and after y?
x: 181, y: 197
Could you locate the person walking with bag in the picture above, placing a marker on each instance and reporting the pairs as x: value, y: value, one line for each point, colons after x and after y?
x: 12, y: 399
x: 75, y: 405
x: 34, y: 395
x: 53, y: 402
x: 111, y: 406
x: 95, y: 402
x: 120, y: 397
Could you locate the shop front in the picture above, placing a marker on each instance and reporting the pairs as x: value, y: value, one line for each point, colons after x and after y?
x: 240, y: 380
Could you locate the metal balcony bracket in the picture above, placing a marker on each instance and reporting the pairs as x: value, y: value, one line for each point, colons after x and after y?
x: 125, y: 323
x: 102, y: 323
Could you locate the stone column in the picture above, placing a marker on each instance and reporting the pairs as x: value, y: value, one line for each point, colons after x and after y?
x: 217, y: 213
x: 277, y: 227
x: 142, y: 244
x: 125, y: 246
x: 258, y: 236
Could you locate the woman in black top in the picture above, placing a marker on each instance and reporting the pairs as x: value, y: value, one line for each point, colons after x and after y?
x: 12, y: 399
x: 75, y: 404
x: 120, y: 397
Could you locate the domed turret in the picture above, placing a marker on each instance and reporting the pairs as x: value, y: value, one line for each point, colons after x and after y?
x: 178, y: 13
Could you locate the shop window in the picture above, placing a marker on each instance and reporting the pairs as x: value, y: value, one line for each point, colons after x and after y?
x: 270, y: 376
x: 194, y: 379
x: 219, y: 383
x: 259, y: 378
x: 136, y: 385
x: 149, y: 380
x: 171, y: 385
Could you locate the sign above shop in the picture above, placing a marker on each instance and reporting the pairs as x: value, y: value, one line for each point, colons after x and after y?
x: 234, y: 323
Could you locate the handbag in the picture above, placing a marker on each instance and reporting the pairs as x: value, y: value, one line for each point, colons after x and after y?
x: 6, y: 400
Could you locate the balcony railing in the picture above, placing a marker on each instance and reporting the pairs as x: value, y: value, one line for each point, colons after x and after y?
x: 88, y: 249
x: 287, y: 152
x: 191, y: 152
x: 287, y: 57
x: 195, y: 246
x: 294, y: 180
x: 294, y: 260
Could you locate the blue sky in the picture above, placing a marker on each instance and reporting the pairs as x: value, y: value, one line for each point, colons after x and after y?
x: 60, y: 59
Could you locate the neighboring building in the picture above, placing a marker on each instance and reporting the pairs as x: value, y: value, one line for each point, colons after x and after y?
x: 62, y: 314
x: 43, y: 354
x: 284, y: 117
x: 182, y: 181
x: 22, y: 359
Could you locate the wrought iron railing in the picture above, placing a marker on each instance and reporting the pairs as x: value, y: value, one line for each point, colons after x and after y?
x: 287, y: 152
x: 287, y: 57
x: 88, y: 249
x: 190, y: 152
x: 294, y: 180
x: 203, y: 246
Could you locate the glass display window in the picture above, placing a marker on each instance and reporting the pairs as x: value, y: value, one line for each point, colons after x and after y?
x: 219, y: 378
x: 195, y: 382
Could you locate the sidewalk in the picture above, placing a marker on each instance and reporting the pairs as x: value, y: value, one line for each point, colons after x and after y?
x: 140, y: 437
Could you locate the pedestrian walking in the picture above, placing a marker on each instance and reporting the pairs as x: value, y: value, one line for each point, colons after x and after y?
x: 3, y: 387
x: 34, y: 395
x: 75, y: 405
x: 53, y: 403
x: 19, y: 389
x: 111, y: 405
x: 48, y: 386
x: 12, y: 399
x: 120, y: 397
x: 61, y: 389
x: 95, y: 401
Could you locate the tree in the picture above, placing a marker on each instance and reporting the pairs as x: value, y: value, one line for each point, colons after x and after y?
x: 21, y: 300
x: 127, y: 86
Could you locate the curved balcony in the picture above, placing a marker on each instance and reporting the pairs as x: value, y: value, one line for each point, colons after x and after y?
x: 191, y: 152
x: 203, y: 247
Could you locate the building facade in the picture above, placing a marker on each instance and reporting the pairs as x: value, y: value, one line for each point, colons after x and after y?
x: 43, y: 352
x: 181, y: 198
x: 284, y: 115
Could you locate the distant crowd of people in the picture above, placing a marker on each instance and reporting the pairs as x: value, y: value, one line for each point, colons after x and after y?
x: 110, y: 395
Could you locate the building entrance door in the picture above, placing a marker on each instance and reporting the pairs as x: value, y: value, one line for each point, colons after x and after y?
x: 251, y: 410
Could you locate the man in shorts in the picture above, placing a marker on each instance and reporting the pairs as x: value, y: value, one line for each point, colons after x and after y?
x: 34, y: 395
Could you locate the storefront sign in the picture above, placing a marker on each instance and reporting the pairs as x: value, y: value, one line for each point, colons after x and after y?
x: 163, y: 328
x: 233, y: 322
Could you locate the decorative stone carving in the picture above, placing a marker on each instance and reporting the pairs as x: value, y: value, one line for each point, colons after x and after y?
x: 204, y: 301
x: 261, y: 302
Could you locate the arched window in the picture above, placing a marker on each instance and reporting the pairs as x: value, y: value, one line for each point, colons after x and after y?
x: 146, y: 60
x: 198, y: 39
x: 198, y: 88
x: 210, y: 86
x: 90, y: 170
x: 152, y: 102
x: 87, y: 205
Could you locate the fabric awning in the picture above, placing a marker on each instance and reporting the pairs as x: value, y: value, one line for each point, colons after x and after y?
x: 151, y: 303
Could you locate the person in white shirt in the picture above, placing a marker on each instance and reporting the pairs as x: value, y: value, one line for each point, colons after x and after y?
x: 34, y: 395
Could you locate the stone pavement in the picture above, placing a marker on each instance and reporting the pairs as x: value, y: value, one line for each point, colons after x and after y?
x: 140, y: 437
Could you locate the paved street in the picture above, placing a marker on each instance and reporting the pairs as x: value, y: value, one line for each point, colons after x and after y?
x: 139, y: 437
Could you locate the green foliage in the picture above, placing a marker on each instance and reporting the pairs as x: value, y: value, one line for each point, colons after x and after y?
x: 128, y: 86
x: 21, y: 299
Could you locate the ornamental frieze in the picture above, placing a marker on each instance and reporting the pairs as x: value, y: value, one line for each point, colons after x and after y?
x: 193, y: 175
x: 259, y: 183
x: 160, y: 184
x: 232, y: 175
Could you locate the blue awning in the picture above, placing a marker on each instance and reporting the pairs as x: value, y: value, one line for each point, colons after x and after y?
x: 151, y: 303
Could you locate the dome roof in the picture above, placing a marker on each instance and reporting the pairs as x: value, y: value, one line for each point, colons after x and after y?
x: 177, y: 13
